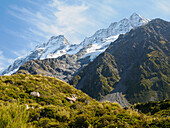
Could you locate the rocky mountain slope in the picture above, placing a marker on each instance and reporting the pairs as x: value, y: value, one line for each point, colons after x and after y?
x: 63, y: 68
x: 88, y: 49
x: 61, y: 105
x: 102, y: 71
x: 137, y: 64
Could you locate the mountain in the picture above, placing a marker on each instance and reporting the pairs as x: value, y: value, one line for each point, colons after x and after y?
x: 86, y: 51
x: 40, y: 101
x: 102, y: 71
x: 55, y: 45
x: 63, y: 67
x: 136, y: 64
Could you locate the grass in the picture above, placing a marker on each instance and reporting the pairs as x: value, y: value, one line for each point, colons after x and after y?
x: 52, y: 109
x: 14, y: 116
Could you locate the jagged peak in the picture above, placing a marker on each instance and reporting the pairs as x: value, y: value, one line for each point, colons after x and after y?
x: 54, y: 40
x: 58, y: 45
x: 112, y: 25
x: 136, y: 20
x: 58, y: 39
x: 116, y: 28
x: 135, y: 15
x: 124, y: 19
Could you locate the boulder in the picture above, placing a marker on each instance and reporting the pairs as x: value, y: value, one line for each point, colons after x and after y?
x: 71, y: 99
x: 35, y: 94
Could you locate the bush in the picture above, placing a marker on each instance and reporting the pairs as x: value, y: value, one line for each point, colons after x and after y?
x: 13, y: 116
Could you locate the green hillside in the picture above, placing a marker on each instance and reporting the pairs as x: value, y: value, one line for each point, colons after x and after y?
x: 54, y: 109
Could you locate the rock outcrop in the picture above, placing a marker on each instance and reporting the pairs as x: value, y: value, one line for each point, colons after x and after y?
x: 35, y: 94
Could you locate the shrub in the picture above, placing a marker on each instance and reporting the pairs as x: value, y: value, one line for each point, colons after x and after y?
x: 13, y: 116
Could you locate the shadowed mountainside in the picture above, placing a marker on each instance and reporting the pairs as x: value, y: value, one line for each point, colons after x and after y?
x: 139, y: 61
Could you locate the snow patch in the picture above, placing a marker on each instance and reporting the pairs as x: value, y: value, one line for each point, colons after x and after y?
x: 11, y: 72
x: 91, y: 46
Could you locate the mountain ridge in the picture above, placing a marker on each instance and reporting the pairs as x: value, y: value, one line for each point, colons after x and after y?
x: 142, y: 59
x: 90, y: 47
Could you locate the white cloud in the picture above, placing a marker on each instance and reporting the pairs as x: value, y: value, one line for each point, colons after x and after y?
x: 71, y: 17
x: 77, y: 19
x: 57, y: 18
x: 162, y: 5
x: 74, y: 20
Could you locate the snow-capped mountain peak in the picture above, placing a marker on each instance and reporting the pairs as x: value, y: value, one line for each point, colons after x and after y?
x: 103, y: 37
x: 117, y: 28
x: 137, y: 20
x: 90, y: 47
x: 55, y: 47
x: 58, y: 40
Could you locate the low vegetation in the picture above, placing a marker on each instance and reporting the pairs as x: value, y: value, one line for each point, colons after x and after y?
x: 19, y: 109
x: 161, y: 108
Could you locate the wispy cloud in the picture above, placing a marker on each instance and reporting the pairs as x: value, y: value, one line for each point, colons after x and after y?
x: 56, y: 18
x: 162, y: 5
x: 77, y: 19
x: 74, y: 20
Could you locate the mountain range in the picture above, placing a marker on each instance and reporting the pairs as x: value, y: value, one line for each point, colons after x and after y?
x: 84, y: 52
x: 128, y: 59
x: 136, y: 64
x: 118, y: 77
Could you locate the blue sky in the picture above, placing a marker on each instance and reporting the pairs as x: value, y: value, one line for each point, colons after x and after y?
x: 26, y: 23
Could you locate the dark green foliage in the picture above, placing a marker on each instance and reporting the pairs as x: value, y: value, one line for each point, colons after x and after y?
x: 154, y: 107
x: 52, y: 109
x: 99, y: 77
x: 152, y: 81
x: 141, y: 58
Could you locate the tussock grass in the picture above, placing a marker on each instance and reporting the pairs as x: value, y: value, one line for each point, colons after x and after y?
x: 14, y: 116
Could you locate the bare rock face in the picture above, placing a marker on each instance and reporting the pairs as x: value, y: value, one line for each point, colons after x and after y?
x: 35, y: 94
x: 116, y: 97
x: 71, y: 99
x: 63, y: 68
